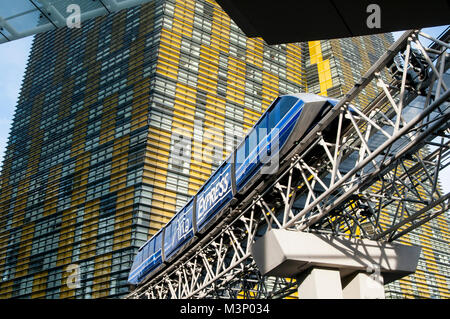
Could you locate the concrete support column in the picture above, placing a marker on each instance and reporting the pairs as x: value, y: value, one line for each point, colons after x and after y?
x: 364, y: 286
x: 320, y: 283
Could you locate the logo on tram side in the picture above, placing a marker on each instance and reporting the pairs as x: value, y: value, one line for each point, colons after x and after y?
x: 183, y: 227
x: 214, y: 193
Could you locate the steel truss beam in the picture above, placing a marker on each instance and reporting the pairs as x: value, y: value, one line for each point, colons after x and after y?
x: 377, y: 179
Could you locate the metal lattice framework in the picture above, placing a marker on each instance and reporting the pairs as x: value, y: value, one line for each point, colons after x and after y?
x: 377, y: 179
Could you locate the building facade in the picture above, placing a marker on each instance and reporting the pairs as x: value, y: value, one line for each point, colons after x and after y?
x: 92, y: 168
x: 119, y: 122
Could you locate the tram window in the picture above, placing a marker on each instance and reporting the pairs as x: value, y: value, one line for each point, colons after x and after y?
x: 252, y: 140
x: 150, y: 246
x: 285, y: 104
x: 146, y: 250
x: 240, y: 154
x: 262, y: 129
x: 157, y: 244
x: 274, y: 117
x: 246, y: 147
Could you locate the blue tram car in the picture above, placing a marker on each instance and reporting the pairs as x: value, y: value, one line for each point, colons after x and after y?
x: 283, y: 125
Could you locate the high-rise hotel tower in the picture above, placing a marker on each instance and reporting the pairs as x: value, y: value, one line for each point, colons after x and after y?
x: 93, y: 165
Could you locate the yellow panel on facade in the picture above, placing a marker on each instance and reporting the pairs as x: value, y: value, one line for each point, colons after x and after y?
x: 293, y: 64
x: 269, y: 89
x: 50, y: 198
x: 25, y: 247
x: 236, y: 80
x: 170, y: 41
x: 220, y: 30
x: 159, y: 135
x: 254, y: 53
x: 123, y: 241
x: 315, y: 52
x: 102, y: 268
x: 6, y: 289
x: 118, y: 27
x: 39, y: 285
x: 107, y: 128
x: 324, y: 76
x: 183, y: 17
x: 207, y: 70
x: 185, y: 94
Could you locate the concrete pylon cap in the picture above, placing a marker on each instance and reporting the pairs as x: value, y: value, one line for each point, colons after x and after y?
x: 286, y: 253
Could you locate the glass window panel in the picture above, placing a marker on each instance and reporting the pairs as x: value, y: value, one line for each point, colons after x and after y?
x: 262, y: 129
x: 285, y: 104
x: 252, y: 140
x: 240, y: 154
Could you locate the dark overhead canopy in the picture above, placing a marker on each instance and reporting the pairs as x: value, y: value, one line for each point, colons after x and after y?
x: 285, y: 21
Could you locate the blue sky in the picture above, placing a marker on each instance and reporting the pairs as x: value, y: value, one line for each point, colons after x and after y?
x: 13, y: 59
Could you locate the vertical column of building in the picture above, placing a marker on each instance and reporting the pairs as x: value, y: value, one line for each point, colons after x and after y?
x: 181, y: 149
x: 73, y: 248
x: 192, y: 67
x: 342, y: 72
x: 181, y: 16
x: 366, y: 50
x: 218, y: 64
x: 236, y: 86
x: 254, y: 60
x: 124, y: 133
x: 62, y: 199
x: 73, y: 86
x: 112, y: 207
x: 269, y: 91
x: 294, y: 69
x: 160, y: 137
x: 123, y: 136
x: 317, y: 60
x: 208, y: 78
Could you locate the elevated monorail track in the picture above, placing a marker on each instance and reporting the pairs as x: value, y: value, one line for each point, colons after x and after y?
x: 377, y: 179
